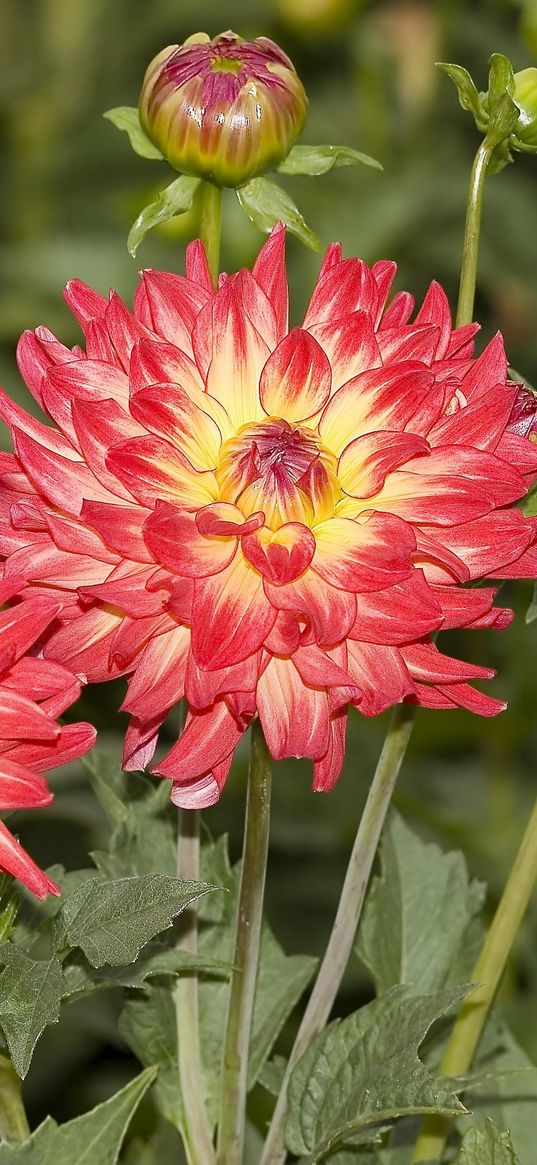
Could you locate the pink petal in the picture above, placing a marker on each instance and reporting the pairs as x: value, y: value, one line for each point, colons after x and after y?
x: 295, y: 382
x: 233, y: 615
x: 174, y: 538
x: 367, y: 461
x: 294, y: 717
x: 281, y: 555
x: 363, y: 557
x: 153, y: 470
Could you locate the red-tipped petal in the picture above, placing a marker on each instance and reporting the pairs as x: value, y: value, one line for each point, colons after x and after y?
x: 233, y: 615
x: 363, y: 557
x: 296, y: 380
x: 174, y: 538
x: 280, y: 555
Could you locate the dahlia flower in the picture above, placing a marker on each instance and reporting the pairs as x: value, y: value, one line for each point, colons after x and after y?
x: 266, y: 522
x: 33, y: 693
x: 223, y: 109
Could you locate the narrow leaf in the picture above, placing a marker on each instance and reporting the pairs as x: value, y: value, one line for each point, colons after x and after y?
x: 265, y: 203
x: 30, y: 997
x: 417, y: 912
x: 486, y: 1145
x: 173, y: 200
x: 112, y: 921
x: 469, y: 98
x: 501, y: 78
x: 92, y: 1139
x: 315, y: 160
x: 365, y: 1070
x: 126, y: 117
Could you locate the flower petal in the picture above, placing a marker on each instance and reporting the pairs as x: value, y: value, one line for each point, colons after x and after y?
x: 390, y: 395
x: 367, y: 461
x: 294, y: 717
x: 233, y: 615
x: 168, y: 411
x: 153, y: 470
x: 174, y: 538
x: 280, y: 555
x: 363, y: 557
x: 295, y: 382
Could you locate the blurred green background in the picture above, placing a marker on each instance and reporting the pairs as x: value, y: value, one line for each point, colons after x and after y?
x: 70, y: 188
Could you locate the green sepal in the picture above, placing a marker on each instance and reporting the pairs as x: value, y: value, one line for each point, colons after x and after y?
x: 316, y: 160
x: 126, y: 118
x: 95, y: 1138
x: 469, y: 98
x: 501, y: 78
x: 173, y: 200
x: 266, y: 203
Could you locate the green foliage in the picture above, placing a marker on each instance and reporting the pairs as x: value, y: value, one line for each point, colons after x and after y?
x: 315, y: 160
x: 30, y: 997
x: 419, y: 912
x: 92, y: 1139
x: 266, y: 203
x: 175, y: 199
x: 126, y: 117
x: 112, y: 921
x: 511, y: 1101
x: 365, y: 1069
x: 486, y: 1146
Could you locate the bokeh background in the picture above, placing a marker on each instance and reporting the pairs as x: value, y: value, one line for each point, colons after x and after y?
x: 70, y: 188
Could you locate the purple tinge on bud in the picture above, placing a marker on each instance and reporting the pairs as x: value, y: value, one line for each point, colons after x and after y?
x: 223, y: 109
x: 523, y: 419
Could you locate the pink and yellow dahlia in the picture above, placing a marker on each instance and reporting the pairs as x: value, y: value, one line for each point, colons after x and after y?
x: 266, y: 522
x: 33, y: 693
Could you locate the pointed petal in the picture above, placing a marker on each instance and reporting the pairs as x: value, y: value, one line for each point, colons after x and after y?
x: 367, y: 461
x: 207, y: 740
x: 363, y: 557
x: 346, y: 287
x: 168, y: 411
x: 350, y: 344
x: 405, y: 611
x: 173, y: 537
x: 295, y: 382
x: 389, y: 395
x: 153, y: 470
x: 14, y: 860
x: 294, y: 717
x: 233, y: 615
x: 381, y: 674
x: 269, y: 272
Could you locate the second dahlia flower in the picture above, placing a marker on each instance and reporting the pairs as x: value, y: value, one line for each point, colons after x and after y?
x: 33, y: 693
x: 266, y: 522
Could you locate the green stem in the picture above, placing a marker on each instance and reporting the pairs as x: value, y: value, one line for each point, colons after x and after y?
x: 210, y: 225
x: 348, y: 913
x: 472, y: 228
x: 488, y: 973
x: 246, y: 955
x: 14, y: 1126
x: 197, y: 1131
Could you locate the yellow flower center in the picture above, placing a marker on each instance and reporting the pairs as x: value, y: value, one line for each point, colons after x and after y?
x: 279, y: 468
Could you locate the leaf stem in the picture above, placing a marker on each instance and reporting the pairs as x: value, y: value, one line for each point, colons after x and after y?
x: 197, y: 1131
x: 348, y: 913
x: 210, y: 225
x: 246, y: 954
x: 474, y: 206
x: 488, y: 973
x: 14, y: 1127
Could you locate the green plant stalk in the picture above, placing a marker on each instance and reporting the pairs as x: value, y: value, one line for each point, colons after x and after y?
x: 234, y: 1080
x: 210, y: 225
x: 14, y: 1126
x: 196, y: 1128
x: 474, y: 207
x: 487, y: 973
x: 348, y: 913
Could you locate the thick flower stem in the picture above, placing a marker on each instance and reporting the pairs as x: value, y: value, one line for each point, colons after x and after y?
x: 348, y: 913
x: 472, y: 228
x: 197, y: 1131
x: 210, y: 225
x: 14, y: 1126
x: 488, y: 972
x: 246, y: 955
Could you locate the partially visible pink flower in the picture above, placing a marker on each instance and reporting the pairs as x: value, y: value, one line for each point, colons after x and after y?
x: 33, y: 693
x: 266, y: 522
x: 523, y: 419
x: 223, y: 109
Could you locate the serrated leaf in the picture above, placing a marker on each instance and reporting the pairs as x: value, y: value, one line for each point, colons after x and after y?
x: 30, y: 996
x: 512, y: 1102
x: 149, y: 829
x: 127, y: 118
x: 316, y: 160
x: 173, y: 200
x: 112, y: 921
x: 92, y: 1139
x: 486, y: 1145
x: 82, y: 979
x: 365, y: 1070
x: 109, y: 783
x: 469, y: 98
x: 418, y: 912
x: 266, y: 203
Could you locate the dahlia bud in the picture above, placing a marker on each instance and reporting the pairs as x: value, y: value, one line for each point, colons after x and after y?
x: 223, y: 109
x: 525, y: 96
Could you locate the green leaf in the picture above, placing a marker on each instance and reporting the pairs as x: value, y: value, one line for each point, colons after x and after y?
x: 149, y: 1027
x: 30, y: 997
x: 272, y: 1074
x: 126, y: 117
x: 315, y: 160
x: 265, y: 203
x: 365, y: 1070
x: 155, y: 960
x: 486, y: 1145
x: 112, y: 921
x: 92, y: 1139
x: 109, y: 783
x: 147, y: 829
x: 174, y: 199
x: 512, y: 1102
x: 469, y: 98
x: 418, y: 912
x: 502, y: 120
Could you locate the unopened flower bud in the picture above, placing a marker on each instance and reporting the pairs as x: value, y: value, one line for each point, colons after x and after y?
x: 525, y: 96
x: 223, y: 109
